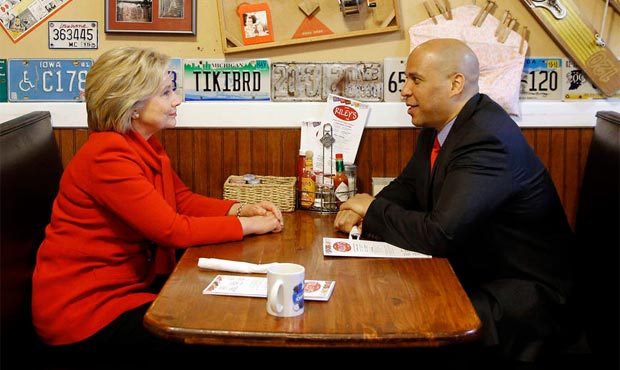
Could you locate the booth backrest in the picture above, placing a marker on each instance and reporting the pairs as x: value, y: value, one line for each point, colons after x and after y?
x: 598, y: 233
x: 30, y: 170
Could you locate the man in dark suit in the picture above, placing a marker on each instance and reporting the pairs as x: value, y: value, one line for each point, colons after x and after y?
x: 487, y: 204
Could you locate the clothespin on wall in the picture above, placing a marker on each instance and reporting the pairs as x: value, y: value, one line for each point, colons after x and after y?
x: 482, y: 15
x: 506, y: 32
x: 440, y: 7
x: 447, y: 14
x: 525, y: 36
x: 505, y: 18
x: 429, y: 10
x: 448, y: 8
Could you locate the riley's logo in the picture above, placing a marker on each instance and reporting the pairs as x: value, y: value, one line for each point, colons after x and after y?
x: 345, y: 113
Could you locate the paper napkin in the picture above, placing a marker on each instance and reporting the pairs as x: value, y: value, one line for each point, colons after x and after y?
x: 233, y: 266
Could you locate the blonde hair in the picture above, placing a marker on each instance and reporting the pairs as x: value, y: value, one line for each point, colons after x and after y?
x: 120, y: 81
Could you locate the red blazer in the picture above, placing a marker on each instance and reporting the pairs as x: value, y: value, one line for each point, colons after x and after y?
x: 119, y: 198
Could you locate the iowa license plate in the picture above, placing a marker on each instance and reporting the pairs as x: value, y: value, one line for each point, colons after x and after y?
x: 47, y: 79
x: 214, y: 79
x: 541, y: 79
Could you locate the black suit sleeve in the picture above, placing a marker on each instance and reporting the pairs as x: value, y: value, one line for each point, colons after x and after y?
x: 471, y: 182
x: 402, y: 190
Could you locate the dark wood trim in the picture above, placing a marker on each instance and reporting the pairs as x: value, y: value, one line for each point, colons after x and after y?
x: 204, y: 158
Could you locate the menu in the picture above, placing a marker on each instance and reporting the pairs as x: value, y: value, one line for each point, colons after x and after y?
x: 253, y: 286
x: 336, y: 247
x: 340, y: 131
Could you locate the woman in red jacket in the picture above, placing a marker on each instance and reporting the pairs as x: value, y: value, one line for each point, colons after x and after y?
x: 121, y: 211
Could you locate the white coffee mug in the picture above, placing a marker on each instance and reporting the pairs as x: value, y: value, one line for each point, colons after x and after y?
x: 285, y: 289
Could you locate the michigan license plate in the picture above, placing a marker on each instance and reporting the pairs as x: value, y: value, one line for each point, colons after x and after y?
x: 47, y: 79
x: 218, y: 79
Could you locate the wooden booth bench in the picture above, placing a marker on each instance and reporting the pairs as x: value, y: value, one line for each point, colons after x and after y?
x: 30, y: 170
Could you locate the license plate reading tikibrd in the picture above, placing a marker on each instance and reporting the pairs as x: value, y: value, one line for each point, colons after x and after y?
x: 215, y: 79
x: 47, y: 79
x: 541, y: 79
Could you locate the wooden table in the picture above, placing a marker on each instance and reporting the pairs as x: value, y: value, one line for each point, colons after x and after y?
x: 377, y: 302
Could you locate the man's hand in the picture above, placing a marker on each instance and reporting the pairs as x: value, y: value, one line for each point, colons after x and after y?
x: 346, y: 219
x: 358, y: 204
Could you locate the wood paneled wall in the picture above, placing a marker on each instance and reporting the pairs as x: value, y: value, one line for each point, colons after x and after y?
x: 204, y: 158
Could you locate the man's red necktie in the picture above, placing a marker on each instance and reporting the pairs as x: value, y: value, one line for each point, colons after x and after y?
x: 435, y: 152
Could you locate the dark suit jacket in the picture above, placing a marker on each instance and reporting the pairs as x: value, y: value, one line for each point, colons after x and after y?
x: 491, y: 208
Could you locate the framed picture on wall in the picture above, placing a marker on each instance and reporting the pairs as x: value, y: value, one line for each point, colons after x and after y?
x: 255, y: 23
x: 150, y: 16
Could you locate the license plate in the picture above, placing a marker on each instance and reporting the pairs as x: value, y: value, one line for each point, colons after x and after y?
x: 73, y: 35
x: 296, y: 81
x: 3, y: 81
x: 359, y: 81
x: 576, y: 84
x: 48, y: 79
x: 393, y: 78
x: 175, y: 69
x: 541, y: 79
x: 214, y: 79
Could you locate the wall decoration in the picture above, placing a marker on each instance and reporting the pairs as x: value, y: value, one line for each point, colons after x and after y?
x: 303, y: 21
x: 3, y: 81
x: 394, y: 78
x: 565, y: 23
x: 292, y: 81
x: 19, y: 17
x: 576, y: 85
x: 47, y: 79
x: 73, y: 34
x: 255, y: 23
x: 148, y: 16
x: 541, y: 79
x: 220, y: 79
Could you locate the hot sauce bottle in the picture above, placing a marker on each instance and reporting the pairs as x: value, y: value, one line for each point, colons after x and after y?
x: 341, y: 182
x: 308, y: 183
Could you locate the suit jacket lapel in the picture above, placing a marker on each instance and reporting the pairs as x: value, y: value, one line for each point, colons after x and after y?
x: 435, y: 179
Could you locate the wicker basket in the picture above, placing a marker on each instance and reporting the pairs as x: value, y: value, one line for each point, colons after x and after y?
x: 279, y: 190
